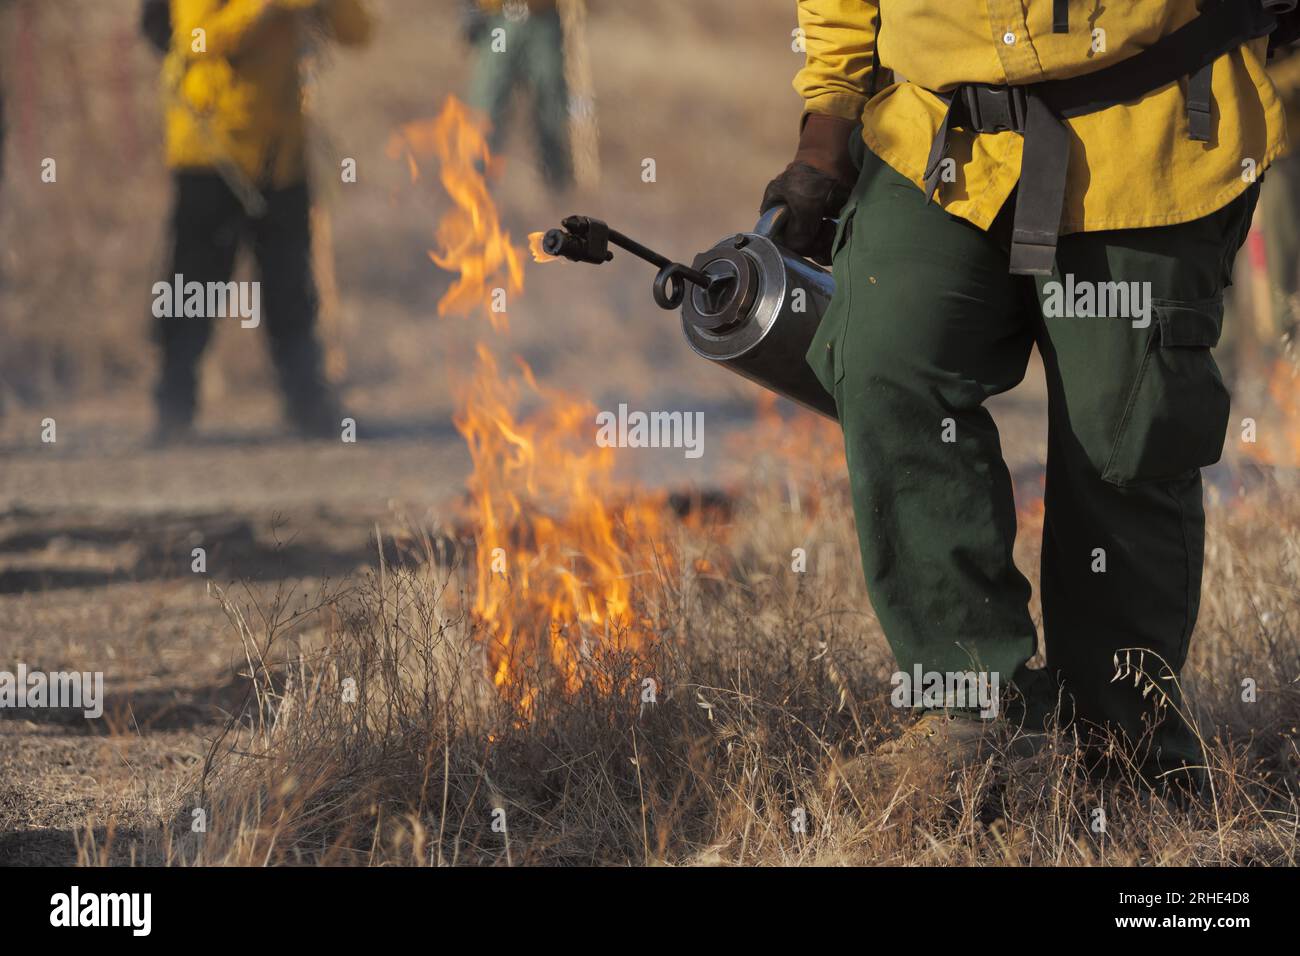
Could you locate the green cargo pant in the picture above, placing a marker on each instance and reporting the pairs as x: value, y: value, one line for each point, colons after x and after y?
x: 529, y: 53
x: 926, y: 324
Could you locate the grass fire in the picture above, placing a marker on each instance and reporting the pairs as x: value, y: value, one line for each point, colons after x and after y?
x: 558, y: 511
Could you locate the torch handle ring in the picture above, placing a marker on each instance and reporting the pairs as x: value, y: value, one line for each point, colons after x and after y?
x: 670, y: 286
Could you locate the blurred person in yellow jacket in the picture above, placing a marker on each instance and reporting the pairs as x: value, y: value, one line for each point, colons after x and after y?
x: 520, y: 43
x: 1009, y: 174
x: 235, y: 145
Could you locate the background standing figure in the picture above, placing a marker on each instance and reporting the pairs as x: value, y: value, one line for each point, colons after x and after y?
x: 521, y: 43
x: 236, y: 148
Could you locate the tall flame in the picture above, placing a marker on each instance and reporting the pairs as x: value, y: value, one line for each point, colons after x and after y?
x: 557, y: 543
x: 554, y: 562
x: 470, y: 240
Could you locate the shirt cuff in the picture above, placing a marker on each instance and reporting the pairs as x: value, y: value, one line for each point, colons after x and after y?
x: 844, y: 105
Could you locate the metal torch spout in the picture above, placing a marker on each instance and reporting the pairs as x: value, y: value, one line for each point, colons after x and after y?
x: 583, y: 239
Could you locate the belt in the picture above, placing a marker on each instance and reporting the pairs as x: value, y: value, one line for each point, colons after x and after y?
x: 1037, y: 111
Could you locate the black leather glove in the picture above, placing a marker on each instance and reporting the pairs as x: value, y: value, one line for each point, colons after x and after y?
x: 814, y: 187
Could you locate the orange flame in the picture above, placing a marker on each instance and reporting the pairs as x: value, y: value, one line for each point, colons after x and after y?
x: 470, y: 240
x: 535, y: 247
x: 554, y: 568
x: 555, y: 560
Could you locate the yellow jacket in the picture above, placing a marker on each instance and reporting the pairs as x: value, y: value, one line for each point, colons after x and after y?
x: 1131, y: 166
x: 232, y: 86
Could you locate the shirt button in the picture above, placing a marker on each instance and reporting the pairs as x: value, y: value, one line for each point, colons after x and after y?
x: 1009, y: 38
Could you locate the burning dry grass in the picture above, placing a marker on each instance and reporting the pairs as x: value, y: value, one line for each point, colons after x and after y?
x: 765, y: 682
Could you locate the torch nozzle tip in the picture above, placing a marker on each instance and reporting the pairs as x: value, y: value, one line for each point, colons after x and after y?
x: 553, y: 242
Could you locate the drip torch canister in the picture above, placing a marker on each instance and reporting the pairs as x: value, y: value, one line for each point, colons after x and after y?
x: 746, y: 303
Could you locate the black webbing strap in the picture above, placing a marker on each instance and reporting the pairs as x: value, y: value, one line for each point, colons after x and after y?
x: 1040, y: 196
x: 1060, y: 16
x: 1200, y: 96
x: 939, y: 146
x: 1189, y: 51
x: 1221, y: 27
x: 975, y: 106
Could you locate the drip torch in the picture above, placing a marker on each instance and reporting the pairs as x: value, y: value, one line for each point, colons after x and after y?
x: 746, y: 303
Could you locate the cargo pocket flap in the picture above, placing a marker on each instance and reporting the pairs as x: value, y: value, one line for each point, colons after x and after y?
x: 1189, y: 324
x: 1177, y: 412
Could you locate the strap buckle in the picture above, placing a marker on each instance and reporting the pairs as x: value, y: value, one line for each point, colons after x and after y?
x: 994, y: 109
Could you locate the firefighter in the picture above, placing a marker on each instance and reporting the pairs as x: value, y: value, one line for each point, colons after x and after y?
x: 235, y: 145
x: 521, y: 43
x: 1020, y: 163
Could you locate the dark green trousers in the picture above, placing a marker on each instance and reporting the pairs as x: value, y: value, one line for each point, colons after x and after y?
x: 927, y: 324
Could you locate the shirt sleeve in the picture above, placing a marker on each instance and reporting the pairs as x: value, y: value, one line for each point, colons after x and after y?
x: 840, y: 46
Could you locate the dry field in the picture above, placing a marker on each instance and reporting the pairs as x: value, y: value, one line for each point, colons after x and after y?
x: 473, y: 638
x: 364, y: 727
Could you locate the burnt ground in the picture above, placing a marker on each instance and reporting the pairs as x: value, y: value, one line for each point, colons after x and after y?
x: 96, y: 537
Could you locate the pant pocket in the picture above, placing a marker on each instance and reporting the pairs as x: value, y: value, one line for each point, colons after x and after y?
x: 1176, y: 417
x: 826, y: 353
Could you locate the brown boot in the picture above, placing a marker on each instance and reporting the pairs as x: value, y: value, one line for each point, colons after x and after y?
x: 923, y: 757
x: 937, y: 745
x: 930, y: 752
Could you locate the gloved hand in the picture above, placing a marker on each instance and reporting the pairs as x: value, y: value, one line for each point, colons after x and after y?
x: 815, y: 186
